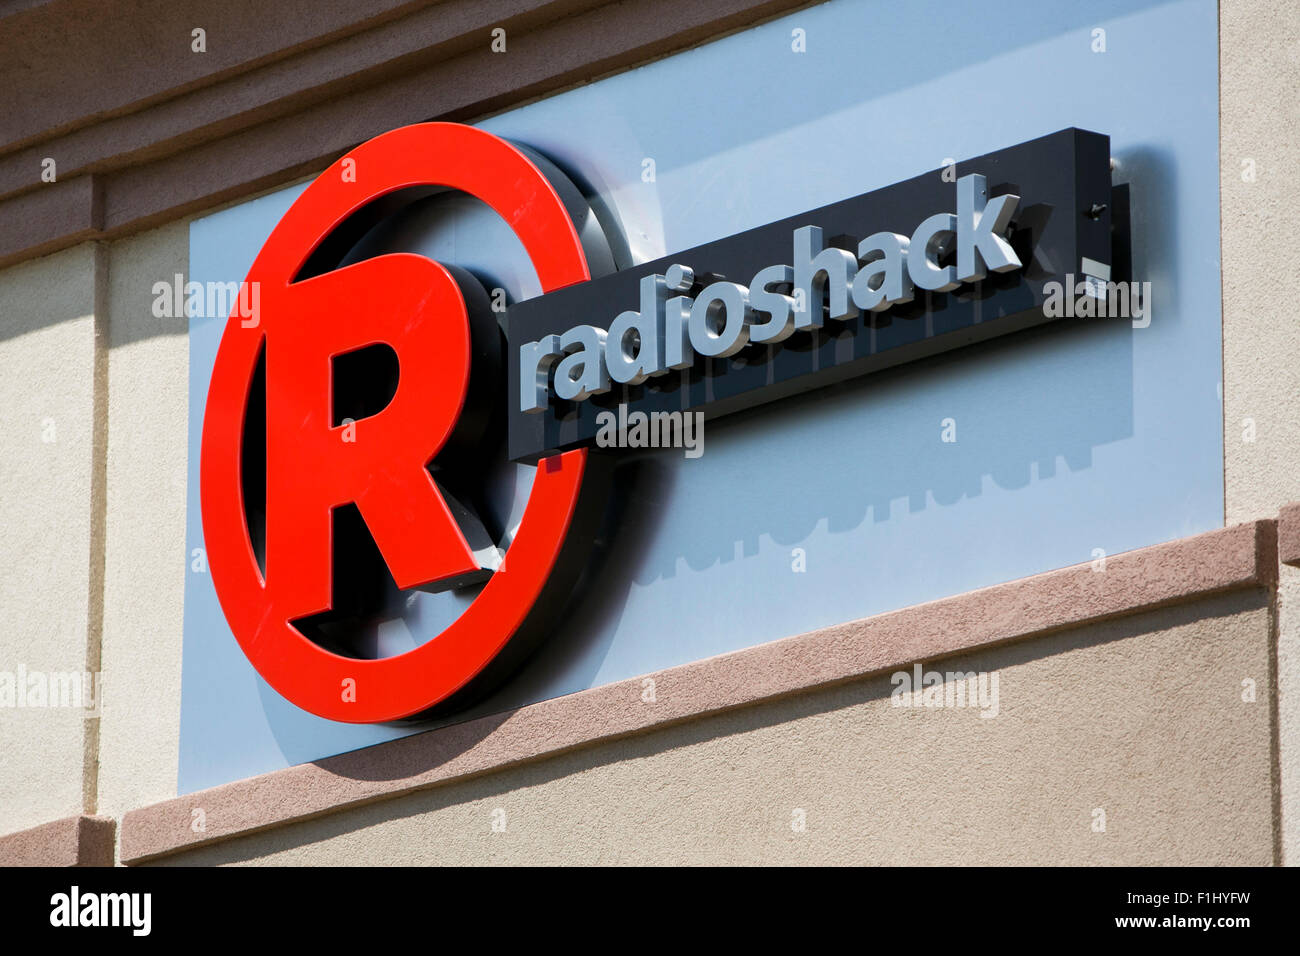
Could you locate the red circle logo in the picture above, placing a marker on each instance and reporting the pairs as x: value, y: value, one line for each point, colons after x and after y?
x: 414, y: 306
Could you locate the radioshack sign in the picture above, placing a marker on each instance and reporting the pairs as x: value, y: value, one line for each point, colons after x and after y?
x: 949, y: 258
x: 672, y: 329
x: 900, y: 273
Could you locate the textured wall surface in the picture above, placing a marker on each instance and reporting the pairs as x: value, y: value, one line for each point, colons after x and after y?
x: 73, y: 405
x: 1288, y: 706
x: 145, y: 558
x: 1142, y: 718
x: 47, y: 509
x: 1259, y: 55
x: 1259, y: 51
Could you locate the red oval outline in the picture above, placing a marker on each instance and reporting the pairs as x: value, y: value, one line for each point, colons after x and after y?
x: 437, y: 154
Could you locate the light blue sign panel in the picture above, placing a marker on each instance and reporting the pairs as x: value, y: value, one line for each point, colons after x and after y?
x: 1088, y: 435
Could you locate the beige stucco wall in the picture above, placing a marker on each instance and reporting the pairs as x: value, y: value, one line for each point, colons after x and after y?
x: 1259, y: 52
x: 1141, y: 717
x: 145, y: 557
x: 59, y: 614
x: 1259, y: 78
x: 1288, y: 682
x: 47, y: 509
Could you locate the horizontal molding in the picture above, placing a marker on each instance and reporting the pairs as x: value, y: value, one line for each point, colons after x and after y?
x: 72, y: 841
x: 1243, y: 556
x: 1288, y: 534
x: 288, y: 82
x: 64, y: 214
x: 200, y: 141
x: 92, y: 60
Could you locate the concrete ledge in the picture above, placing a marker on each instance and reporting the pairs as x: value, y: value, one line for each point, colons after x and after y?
x: 1288, y: 534
x: 72, y: 841
x: 1243, y: 556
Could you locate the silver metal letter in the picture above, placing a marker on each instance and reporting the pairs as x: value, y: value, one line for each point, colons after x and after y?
x: 980, y: 225
x: 817, y: 270
x: 726, y: 302
x: 929, y: 242
x: 632, y: 362
x: 780, y: 308
x: 535, y: 361
x: 884, y: 257
x: 582, y: 373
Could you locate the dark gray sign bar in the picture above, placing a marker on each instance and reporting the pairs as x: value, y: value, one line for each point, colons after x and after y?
x: 952, y: 257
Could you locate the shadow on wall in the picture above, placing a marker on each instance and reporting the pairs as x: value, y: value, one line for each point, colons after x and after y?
x: 42, y: 293
x: 134, y: 291
x: 1008, y: 438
